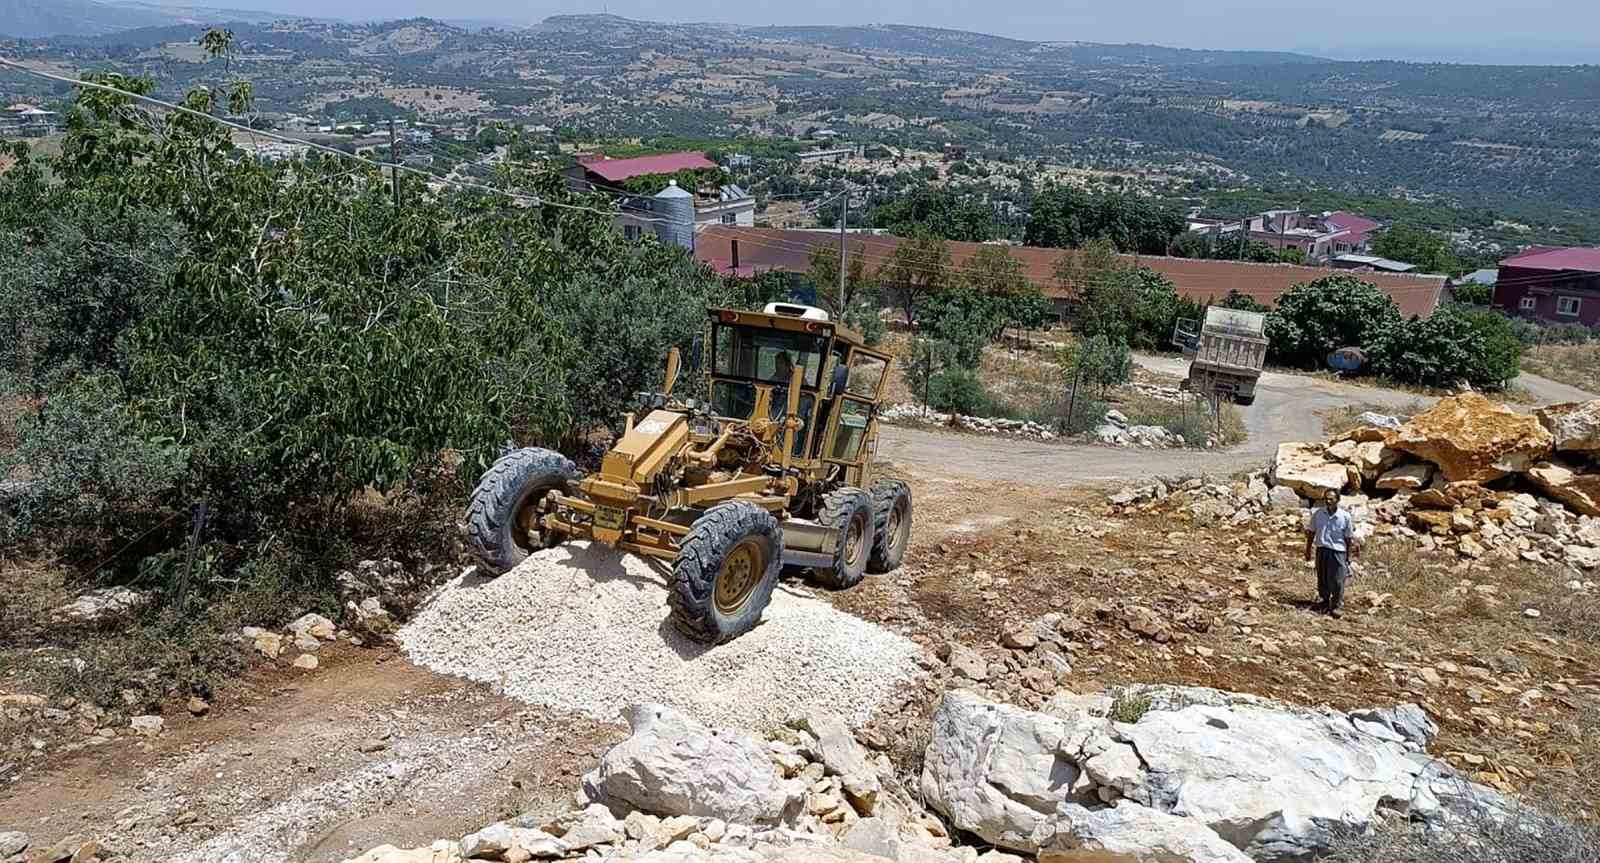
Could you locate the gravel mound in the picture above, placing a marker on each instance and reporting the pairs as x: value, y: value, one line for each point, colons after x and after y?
x: 582, y: 627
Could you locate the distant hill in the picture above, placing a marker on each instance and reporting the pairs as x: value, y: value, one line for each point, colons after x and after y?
x: 32, y: 19
x: 28, y: 19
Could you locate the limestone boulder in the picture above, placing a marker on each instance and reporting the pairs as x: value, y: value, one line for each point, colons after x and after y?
x: 842, y: 756
x: 1305, y: 468
x: 1471, y: 438
x: 1129, y: 831
x: 1408, y: 477
x: 1200, y: 772
x: 1369, y: 458
x: 104, y: 605
x: 1562, y: 482
x: 443, y: 851
x: 673, y: 765
x: 1575, y: 426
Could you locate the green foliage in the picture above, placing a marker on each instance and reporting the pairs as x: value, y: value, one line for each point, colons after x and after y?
x: 1429, y: 251
x: 1098, y: 361
x: 919, y: 268
x: 85, y: 461
x: 688, y: 179
x: 1124, y: 303
x: 958, y: 390
x: 1128, y: 707
x: 1315, y: 318
x: 1066, y: 218
x: 1473, y: 293
x: 1242, y: 302
x: 939, y: 212
x: 1228, y: 248
x: 1454, y: 343
x: 966, y: 320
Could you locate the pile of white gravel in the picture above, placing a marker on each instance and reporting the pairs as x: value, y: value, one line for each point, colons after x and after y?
x: 585, y: 628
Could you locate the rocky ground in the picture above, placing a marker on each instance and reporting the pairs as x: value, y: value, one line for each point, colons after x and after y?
x: 1021, y: 596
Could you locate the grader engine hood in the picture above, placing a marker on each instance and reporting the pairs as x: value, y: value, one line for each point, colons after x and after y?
x: 646, y: 448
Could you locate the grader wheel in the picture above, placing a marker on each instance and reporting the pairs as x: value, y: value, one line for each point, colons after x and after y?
x: 726, y: 569
x: 849, y: 511
x: 503, y: 518
x: 891, y: 504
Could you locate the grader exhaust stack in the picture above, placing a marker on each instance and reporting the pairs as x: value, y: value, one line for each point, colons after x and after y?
x: 725, y: 489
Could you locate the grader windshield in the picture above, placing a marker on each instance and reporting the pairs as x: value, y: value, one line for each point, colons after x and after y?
x: 742, y: 356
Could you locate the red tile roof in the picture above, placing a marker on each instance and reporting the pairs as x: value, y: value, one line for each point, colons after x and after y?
x: 1201, y: 280
x: 1582, y: 258
x: 617, y: 170
x: 1351, y: 222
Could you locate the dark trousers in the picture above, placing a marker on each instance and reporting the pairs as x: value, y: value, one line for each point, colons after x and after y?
x: 1332, y: 567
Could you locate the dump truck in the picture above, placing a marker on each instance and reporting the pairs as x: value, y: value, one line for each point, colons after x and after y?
x: 1226, y: 354
x: 771, y: 467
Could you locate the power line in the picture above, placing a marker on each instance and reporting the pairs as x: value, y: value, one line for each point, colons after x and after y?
x: 531, y: 200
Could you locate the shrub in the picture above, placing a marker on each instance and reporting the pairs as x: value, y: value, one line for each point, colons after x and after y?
x: 1313, y: 319
x: 86, y: 462
x: 1454, y: 343
x: 1128, y: 707
x: 1524, y: 834
x: 958, y: 390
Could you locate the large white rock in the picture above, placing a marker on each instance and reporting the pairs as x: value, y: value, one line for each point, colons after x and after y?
x: 673, y: 765
x: 1130, y: 832
x: 842, y: 756
x: 997, y: 770
x: 1575, y: 426
x: 442, y: 851
x: 104, y: 605
x: 1272, y: 781
x: 1303, y: 467
x: 1409, y: 477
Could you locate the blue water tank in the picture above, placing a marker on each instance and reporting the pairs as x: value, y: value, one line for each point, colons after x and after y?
x: 1347, y: 360
x: 675, y: 208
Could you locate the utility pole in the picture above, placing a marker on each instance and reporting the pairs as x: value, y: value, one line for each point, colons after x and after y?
x: 844, y: 219
x: 394, y: 163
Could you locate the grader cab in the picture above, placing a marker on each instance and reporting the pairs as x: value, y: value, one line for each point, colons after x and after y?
x: 772, y: 468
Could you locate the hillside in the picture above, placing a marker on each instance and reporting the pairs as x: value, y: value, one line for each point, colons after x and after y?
x: 35, y: 18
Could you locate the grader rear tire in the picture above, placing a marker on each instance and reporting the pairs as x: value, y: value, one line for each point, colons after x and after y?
x: 726, y: 569
x: 849, y: 511
x: 502, y: 516
x: 891, y: 505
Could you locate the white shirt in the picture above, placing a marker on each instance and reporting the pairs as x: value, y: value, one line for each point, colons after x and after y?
x: 1331, y: 530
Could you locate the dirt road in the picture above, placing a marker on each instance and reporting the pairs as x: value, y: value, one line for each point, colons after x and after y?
x: 1287, y: 407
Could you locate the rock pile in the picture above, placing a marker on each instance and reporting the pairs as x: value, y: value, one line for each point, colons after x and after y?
x: 16, y: 847
x: 1469, y: 476
x: 1116, y: 431
x: 303, y: 638
x: 676, y: 791
x: 1147, y: 773
x: 916, y: 415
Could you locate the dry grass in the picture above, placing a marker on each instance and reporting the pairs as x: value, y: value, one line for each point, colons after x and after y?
x: 1577, y: 365
x: 1340, y: 420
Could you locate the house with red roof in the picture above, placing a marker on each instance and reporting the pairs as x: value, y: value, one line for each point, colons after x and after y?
x: 1554, y: 284
x: 1320, y: 237
x: 714, y: 203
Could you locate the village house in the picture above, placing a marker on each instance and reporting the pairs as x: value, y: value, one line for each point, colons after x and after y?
x: 1552, y: 284
x: 1320, y: 237
x: 714, y: 204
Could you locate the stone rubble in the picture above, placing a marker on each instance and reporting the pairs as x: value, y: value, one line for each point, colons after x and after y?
x: 1114, y: 430
x: 1522, y: 502
x: 1183, y: 774
x: 103, y: 606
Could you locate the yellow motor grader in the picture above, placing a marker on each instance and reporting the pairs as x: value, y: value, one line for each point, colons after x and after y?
x: 773, y: 468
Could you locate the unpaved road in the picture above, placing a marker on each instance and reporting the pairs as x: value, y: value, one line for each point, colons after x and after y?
x: 1288, y: 407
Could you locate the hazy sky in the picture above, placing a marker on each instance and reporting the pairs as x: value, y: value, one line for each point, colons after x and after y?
x: 1549, y: 31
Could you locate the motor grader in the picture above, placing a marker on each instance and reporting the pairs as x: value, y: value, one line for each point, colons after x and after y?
x: 771, y: 469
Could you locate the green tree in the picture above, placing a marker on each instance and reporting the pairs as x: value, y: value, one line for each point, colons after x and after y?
x: 1473, y: 293
x: 937, y: 211
x: 1454, y: 343
x: 1315, y: 318
x: 1429, y: 251
x: 1067, y: 218
x: 1098, y: 361
x: 1242, y: 302
x: 918, y: 269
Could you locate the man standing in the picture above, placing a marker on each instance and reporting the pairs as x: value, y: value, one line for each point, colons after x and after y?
x: 1332, y: 535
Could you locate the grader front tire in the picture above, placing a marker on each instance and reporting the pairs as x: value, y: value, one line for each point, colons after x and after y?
x: 502, y: 516
x: 726, y: 569
x: 849, y: 511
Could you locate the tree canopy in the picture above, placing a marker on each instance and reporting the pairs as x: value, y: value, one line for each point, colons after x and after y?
x: 1066, y: 218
